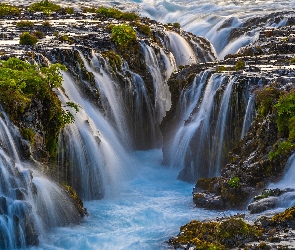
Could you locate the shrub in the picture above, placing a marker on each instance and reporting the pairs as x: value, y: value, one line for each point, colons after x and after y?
x: 20, y: 82
x: 25, y: 24
x: 7, y: 9
x: 123, y: 34
x: 27, y: 39
x: 45, y: 6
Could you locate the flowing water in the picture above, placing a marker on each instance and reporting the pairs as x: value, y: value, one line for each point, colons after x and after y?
x: 144, y: 204
x: 212, y: 19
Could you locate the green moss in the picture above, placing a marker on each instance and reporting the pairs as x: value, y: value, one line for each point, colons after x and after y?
x: 123, y: 35
x: 292, y: 60
x: 7, y: 9
x: 117, y: 14
x: 144, y: 29
x: 176, y: 25
x: 28, y: 134
x: 25, y: 24
x: 234, y: 182
x: 27, y: 39
x: 73, y: 194
x: 221, y: 68
x: 45, y: 6
x: 288, y: 214
x: 69, y: 10
x: 286, y: 115
x: 239, y: 65
x: 215, y: 235
x: 114, y: 59
x: 282, y: 148
x: 39, y: 34
x: 66, y: 38
x: 265, y: 100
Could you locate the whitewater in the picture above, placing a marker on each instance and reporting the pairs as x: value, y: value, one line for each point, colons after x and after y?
x: 211, y: 19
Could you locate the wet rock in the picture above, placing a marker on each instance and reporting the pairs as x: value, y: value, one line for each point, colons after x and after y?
x: 263, y: 205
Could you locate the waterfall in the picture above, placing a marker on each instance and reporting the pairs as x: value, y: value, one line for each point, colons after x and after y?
x: 29, y: 203
x: 182, y: 51
x: 161, y: 89
x: 92, y: 149
x: 208, y: 123
x: 249, y: 115
x: 287, y: 199
x: 196, y: 122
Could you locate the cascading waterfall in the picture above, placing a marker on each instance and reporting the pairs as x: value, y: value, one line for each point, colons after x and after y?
x: 198, y: 122
x: 201, y: 136
x: 218, y: 138
x: 29, y: 203
x: 98, y: 160
x: 249, y: 115
x: 287, y: 199
x: 182, y: 51
x: 161, y: 89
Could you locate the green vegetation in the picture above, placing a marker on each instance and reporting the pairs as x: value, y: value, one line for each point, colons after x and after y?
x: 282, y: 148
x: 176, y: 25
x: 234, y: 182
x: 25, y: 24
x: 286, y: 115
x: 7, y: 9
x: 117, y: 14
x: 292, y: 60
x: 112, y: 13
x: 28, y: 134
x: 45, y: 6
x: 46, y: 24
x: 215, y: 235
x: 114, y: 59
x: 65, y: 38
x: 20, y: 83
x: 69, y: 10
x: 73, y: 105
x: 123, y: 35
x: 27, y: 39
x: 239, y: 65
x: 221, y: 69
x: 265, y: 100
x: 39, y: 34
x: 144, y: 29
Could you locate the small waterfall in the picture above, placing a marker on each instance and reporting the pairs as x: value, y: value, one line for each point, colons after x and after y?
x: 93, y: 153
x: 161, y: 89
x: 198, y: 121
x: 218, y: 138
x: 29, y: 203
x: 287, y: 199
x: 208, y: 124
x: 249, y: 115
x: 182, y: 51
x: 111, y: 96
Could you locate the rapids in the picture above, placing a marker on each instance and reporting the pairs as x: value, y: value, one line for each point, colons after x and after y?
x: 212, y: 19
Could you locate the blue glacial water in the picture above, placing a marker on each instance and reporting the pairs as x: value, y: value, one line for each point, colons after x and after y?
x: 149, y: 210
